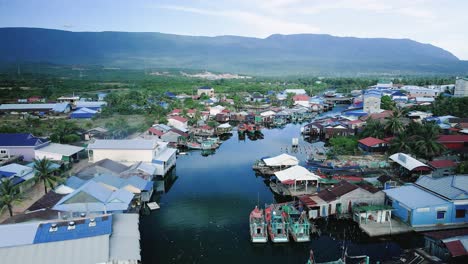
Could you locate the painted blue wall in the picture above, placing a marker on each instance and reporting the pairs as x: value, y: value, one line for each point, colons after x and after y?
x: 424, y: 217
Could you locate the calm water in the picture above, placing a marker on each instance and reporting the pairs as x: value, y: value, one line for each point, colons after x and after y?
x: 204, y: 212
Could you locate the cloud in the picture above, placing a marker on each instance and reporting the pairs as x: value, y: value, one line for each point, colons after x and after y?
x: 260, y: 24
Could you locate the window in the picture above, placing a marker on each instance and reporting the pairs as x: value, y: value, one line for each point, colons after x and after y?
x: 3, y: 151
x: 441, y: 214
x: 460, y: 213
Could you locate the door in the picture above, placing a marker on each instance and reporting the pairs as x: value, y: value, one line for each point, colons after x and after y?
x: 338, y: 208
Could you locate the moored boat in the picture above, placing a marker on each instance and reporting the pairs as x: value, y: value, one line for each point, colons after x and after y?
x: 258, y: 226
x: 298, y: 225
x: 277, y: 224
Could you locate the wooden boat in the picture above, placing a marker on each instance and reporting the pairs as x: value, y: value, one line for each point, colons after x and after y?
x: 258, y: 226
x: 194, y: 145
x: 277, y: 224
x: 298, y: 225
x: 241, y: 128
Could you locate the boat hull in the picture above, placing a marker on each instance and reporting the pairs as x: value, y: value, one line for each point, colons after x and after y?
x: 259, y: 239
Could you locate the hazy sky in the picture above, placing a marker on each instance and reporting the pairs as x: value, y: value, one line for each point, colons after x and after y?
x: 443, y: 23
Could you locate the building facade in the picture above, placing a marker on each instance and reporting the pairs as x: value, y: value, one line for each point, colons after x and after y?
x: 461, y: 87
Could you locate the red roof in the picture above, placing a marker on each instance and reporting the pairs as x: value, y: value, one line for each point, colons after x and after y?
x: 306, y: 199
x: 382, y: 115
x: 456, y: 248
x: 206, y: 127
x: 192, y: 111
x: 176, y: 111
x: 155, y: 131
x: 453, y: 138
x: 355, y: 122
x: 370, y: 141
x: 388, y: 139
x: 179, y: 118
x: 442, y: 163
x: 301, y: 97
x: 181, y: 133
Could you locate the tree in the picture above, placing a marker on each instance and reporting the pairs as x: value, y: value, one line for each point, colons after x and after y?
x: 387, y: 103
x: 393, y: 125
x: 374, y: 128
x: 119, y: 128
x: 61, y: 130
x: 43, y: 170
x: 9, y: 194
x: 426, y: 144
x: 343, y: 145
x: 401, y: 143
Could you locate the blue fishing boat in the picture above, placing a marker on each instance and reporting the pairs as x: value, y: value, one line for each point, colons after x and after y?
x: 298, y: 224
x: 277, y: 224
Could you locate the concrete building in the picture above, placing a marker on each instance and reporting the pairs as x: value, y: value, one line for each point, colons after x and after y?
x: 418, y: 91
x: 206, y: 90
x: 59, y: 152
x: 129, y: 151
x: 431, y: 202
x: 461, y: 87
x: 372, y: 100
x: 178, y: 122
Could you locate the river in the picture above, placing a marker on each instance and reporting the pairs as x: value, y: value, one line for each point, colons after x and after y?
x: 204, y: 212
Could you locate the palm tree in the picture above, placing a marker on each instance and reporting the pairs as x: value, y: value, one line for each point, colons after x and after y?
x: 9, y: 194
x: 394, y: 125
x: 43, y: 169
x: 426, y: 144
x: 373, y: 128
x: 401, y: 143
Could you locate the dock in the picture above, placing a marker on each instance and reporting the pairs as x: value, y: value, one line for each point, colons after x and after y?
x: 153, y: 206
x: 393, y: 227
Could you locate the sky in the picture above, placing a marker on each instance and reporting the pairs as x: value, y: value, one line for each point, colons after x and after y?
x: 441, y: 23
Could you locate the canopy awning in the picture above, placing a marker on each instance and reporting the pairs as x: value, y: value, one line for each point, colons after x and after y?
x: 408, y: 162
x: 282, y: 160
x: 296, y: 173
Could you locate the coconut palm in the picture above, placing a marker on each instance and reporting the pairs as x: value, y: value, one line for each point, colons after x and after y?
x: 373, y: 128
x: 43, y: 170
x: 402, y: 143
x: 9, y: 194
x: 393, y: 125
x: 426, y: 145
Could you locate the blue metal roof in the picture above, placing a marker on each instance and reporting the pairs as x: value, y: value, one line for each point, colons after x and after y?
x: 82, y: 230
x: 137, y: 182
x: 453, y: 187
x: 60, y: 107
x: 20, y: 139
x: 17, y: 180
x: 149, y: 186
x: 111, y: 180
x: 74, y: 182
x: 414, y: 197
x: 6, y: 174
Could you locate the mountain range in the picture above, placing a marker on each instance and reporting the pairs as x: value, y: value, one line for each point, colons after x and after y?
x: 299, y: 54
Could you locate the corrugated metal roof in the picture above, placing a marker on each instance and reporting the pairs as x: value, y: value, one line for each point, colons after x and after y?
x: 74, y: 182
x: 407, y: 161
x: 453, y: 187
x: 82, y: 229
x: 166, y: 154
x: 125, y: 238
x: 12, y: 107
x: 17, y: 234
x: 123, y: 144
x: 414, y: 197
x: 62, y: 149
x: 20, y: 139
x: 90, y: 250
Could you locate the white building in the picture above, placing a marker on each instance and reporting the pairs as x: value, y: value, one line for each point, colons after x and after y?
x: 129, y: 151
x: 372, y: 102
x: 178, y: 122
x: 461, y: 87
x: 417, y: 91
x: 295, y: 91
x: 206, y: 90
x: 55, y: 151
x: 216, y: 110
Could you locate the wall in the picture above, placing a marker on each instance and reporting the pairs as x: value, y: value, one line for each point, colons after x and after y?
x: 52, y: 156
x: 461, y: 88
x: 27, y: 152
x: 122, y: 155
x: 425, y: 216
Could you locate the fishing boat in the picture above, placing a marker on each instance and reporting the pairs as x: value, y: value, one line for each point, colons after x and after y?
x: 241, y: 128
x: 193, y: 145
x: 258, y: 227
x: 277, y: 223
x: 298, y: 225
x: 364, y: 259
x: 204, y: 145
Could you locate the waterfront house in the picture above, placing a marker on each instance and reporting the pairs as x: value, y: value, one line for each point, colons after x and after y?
x: 20, y: 175
x: 206, y: 90
x: 178, y: 122
x: 341, y: 198
x: 104, y: 166
x: 302, y: 100
x: 59, y: 152
x: 431, y: 203
x: 447, y: 245
x: 442, y: 167
x: 96, y: 198
x: 371, y: 144
x: 141, y: 188
x: 222, y: 117
x: 21, y: 144
x: 134, y: 150
x: 204, y: 130
x: 223, y: 129
x: 175, y: 136
x: 96, y: 239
